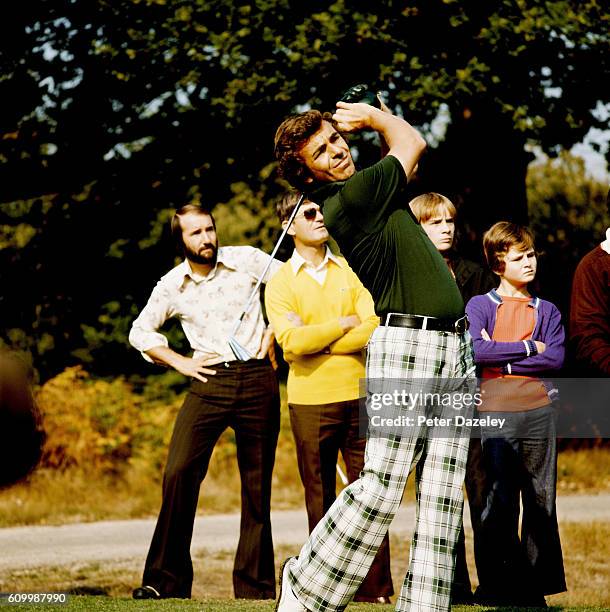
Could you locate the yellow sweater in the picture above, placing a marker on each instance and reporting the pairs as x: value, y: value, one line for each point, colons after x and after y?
x: 326, y: 364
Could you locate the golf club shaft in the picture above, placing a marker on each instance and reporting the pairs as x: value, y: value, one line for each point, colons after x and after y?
x: 262, y: 276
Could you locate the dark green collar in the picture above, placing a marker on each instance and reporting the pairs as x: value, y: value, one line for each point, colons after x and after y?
x: 320, y: 194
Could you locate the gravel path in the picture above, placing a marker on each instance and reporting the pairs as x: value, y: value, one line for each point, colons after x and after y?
x: 81, y: 543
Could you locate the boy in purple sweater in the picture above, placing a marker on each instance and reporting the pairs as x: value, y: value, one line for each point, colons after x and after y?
x: 517, y: 338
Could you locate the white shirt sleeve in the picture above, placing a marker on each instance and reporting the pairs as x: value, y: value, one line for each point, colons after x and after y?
x: 256, y: 262
x: 144, y: 334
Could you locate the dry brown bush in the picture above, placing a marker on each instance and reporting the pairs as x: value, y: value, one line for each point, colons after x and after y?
x: 102, y: 426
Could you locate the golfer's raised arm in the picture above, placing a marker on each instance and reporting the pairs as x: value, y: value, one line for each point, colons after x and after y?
x: 403, y: 141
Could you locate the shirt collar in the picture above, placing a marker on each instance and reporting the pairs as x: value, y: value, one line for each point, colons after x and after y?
x: 226, y: 259
x: 495, y: 297
x: 297, y: 261
x: 185, y: 271
x: 605, y: 245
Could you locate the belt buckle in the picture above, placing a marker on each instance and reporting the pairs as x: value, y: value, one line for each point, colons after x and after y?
x: 461, y: 325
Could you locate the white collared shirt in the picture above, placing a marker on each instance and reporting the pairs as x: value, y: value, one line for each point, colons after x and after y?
x: 318, y: 273
x: 605, y: 245
x: 207, y: 306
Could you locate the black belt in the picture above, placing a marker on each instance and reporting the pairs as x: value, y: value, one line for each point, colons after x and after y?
x: 454, y: 326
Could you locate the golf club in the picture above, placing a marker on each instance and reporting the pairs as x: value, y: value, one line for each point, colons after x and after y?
x: 241, y: 353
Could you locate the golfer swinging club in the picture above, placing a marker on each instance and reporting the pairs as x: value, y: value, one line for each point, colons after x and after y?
x: 423, y: 335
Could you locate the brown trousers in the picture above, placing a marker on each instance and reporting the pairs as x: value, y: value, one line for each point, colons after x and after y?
x: 320, y: 432
x: 245, y: 397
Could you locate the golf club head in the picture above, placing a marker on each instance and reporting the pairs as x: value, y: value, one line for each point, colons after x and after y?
x: 241, y: 354
x: 360, y: 93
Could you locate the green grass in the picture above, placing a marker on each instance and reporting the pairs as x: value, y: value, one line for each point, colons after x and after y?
x: 107, y: 604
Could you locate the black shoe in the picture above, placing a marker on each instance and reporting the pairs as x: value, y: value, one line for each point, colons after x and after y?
x: 462, y: 597
x: 484, y: 597
x: 533, y: 601
x: 146, y: 592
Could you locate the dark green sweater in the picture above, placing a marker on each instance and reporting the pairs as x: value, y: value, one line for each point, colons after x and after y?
x: 385, y: 246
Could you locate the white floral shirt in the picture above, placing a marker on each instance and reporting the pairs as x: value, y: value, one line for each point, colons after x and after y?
x: 207, y: 306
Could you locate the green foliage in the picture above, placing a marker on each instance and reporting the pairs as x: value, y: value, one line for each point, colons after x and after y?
x: 114, y: 113
x: 103, y: 428
x: 16, y: 236
x: 567, y: 206
x: 569, y: 217
x: 248, y: 217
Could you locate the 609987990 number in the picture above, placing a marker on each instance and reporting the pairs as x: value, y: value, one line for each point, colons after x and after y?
x: 33, y: 598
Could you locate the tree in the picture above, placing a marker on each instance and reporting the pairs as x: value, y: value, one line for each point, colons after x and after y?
x: 569, y: 217
x: 115, y: 112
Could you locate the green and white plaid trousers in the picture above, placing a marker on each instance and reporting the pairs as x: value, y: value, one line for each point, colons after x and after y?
x: 337, y: 556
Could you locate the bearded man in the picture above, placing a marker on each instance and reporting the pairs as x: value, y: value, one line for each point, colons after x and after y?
x: 207, y: 292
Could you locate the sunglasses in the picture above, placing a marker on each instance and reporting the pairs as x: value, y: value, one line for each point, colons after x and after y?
x: 309, y: 213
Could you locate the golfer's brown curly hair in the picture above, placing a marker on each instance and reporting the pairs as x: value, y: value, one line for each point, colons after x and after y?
x: 290, y: 137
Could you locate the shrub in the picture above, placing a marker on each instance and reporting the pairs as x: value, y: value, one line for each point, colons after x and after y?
x: 102, y: 426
